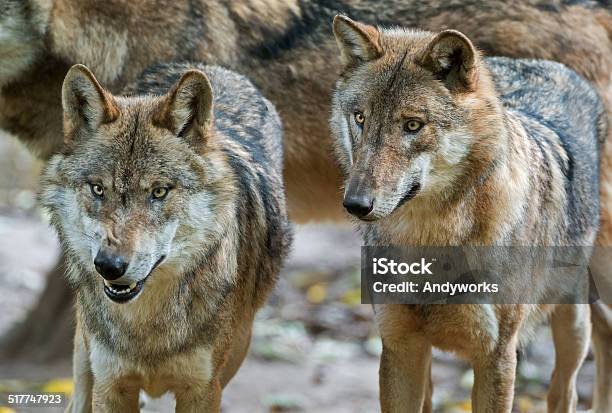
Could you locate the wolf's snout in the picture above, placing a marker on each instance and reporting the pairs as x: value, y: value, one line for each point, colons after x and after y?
x: 358, y: 204
x: 110, y: 266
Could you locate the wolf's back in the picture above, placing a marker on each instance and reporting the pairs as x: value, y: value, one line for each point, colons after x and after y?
x: 552, y: 93
x: 566, y: 119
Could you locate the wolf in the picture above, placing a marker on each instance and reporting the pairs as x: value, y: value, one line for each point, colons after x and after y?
x: 441, y: 147
x: 169, y: 205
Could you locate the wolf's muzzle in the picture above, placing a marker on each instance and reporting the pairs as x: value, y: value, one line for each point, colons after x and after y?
x: 120, y: 293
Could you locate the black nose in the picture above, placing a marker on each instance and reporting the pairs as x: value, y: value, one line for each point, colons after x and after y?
x: 358, y: 204
x: 110, y: 266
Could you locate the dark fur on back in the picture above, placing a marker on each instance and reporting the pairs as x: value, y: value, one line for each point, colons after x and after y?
x: 554, y: 104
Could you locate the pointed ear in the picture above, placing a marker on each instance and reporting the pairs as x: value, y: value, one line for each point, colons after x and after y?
x: 187, y: 110
x: 85, y: 103
x: 357, y: 42
x: 451, y: 56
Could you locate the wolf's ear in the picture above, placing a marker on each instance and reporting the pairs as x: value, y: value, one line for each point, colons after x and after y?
x: 85, y: 102
x: 357, y: 42
x: 451, y: 56
x: 188, y: 108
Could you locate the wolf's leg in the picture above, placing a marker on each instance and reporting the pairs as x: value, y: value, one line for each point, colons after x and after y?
x: 199, y: 399
x: 83, y: 378
x: 571, y: 330
x: 428, y: 403
x: 115, y: 397
x: 238, y: 351
x: 494, y: 375
x: 601, y: 315
x: 405, y: 375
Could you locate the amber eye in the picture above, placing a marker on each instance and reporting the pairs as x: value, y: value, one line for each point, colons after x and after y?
x: 413, y: 125
x: 160, y: 192
x: 359, y: 118
x: 97, y: 190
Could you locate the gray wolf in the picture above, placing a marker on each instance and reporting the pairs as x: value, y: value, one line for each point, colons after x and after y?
x: 170, y: 208
x: 441, y: 147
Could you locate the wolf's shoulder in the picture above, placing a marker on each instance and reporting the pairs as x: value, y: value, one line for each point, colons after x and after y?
x: 550, y: 96
x: 550, y: 93
x: 565, y: 120
x: 543, y: 77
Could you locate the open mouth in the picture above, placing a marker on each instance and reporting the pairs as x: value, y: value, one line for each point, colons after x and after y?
x: 121, y: 293
x: 409, y: 195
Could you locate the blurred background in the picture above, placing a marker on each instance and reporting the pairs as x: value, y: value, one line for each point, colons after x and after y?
x: 315, y: 347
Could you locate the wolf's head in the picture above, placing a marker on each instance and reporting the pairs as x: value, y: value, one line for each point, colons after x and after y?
x: 22, y: 27
x: 138, y: 185
x: 408, y: 111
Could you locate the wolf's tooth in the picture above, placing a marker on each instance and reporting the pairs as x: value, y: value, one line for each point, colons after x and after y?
x: 107, y: 283
x: 132, y: 286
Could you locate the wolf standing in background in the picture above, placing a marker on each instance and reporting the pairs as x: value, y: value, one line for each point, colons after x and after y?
x: 283, y: 46
x: 433, y: 157
x: 171, y: 212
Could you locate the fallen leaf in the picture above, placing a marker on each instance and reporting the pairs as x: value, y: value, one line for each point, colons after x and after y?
x: 525, y: 404
x: 316, y: 293
x: 65, y: 386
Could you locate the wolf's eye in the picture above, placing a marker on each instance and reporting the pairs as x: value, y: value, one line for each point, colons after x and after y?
x: 359, y: 118
x: 413, y: 126
x: 160, y: 192
x: 97, y: 190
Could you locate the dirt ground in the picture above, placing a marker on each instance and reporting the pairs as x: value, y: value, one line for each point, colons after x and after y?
x: 314, y: 348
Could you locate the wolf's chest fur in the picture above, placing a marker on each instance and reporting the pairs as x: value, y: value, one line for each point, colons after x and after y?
x: 171, y: 316
x: 172, y: 374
